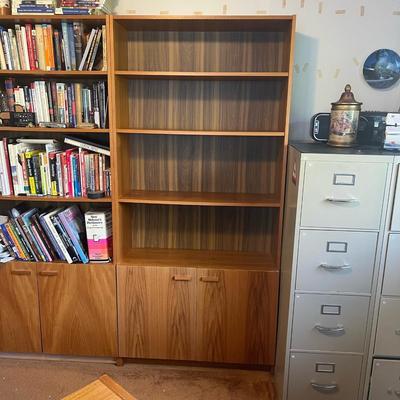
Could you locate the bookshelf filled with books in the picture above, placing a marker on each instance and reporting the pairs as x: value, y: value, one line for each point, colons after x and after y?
x: 55, y: 159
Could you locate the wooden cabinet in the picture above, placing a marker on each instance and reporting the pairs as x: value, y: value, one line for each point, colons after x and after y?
x: 236, y: 314
x: 156, y: 312
x: 225, y: 316
x: 19, y: 309
x: 78, y: 309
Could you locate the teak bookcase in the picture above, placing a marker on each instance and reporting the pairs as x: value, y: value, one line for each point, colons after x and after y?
x: 198, y: 110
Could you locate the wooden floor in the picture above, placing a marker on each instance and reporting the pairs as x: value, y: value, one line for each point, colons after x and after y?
x: 40, y: 380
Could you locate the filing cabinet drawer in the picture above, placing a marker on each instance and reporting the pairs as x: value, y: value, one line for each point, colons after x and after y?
x: 391, y: 282
x: 385, y: 380
x: 388, y: 333
x: 329, y: 322
x: 336, y: 261
x: 324, y: 376
x: 343, y: 194
x: 395, y: 223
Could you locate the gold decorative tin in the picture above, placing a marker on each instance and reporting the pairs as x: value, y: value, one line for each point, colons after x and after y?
x: 344, y: 120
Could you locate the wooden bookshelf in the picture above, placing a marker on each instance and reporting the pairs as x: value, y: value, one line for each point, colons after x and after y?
x: 200, y: 126
x: 199, y: 115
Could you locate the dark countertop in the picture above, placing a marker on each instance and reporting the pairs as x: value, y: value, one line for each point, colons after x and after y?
x: 322, y: 148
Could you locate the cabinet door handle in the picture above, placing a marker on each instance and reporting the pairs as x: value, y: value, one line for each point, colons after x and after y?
x: 21, y: 272
x: 324, y: 387
x: 182, y: 278
x: 342, y: 200
x: 397, y: 332
x: 335, y: 267
x: 214, y: 279
x: 330, y: 331
x: 48, y: 273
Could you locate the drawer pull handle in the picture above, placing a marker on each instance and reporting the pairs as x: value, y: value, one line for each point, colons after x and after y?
x: 335, y: 267
x: 330, y: 331
x: 324, y: 388
x: 343, y: 200
x: 21, y: 272
x: 182, y: 278
x: 48, y: 273
x: 213, y: 279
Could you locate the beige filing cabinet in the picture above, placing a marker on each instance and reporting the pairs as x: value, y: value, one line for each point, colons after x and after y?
x: 336, y: 202
x: 384, y: 365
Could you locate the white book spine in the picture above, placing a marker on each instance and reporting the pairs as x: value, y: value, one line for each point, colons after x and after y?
x: 3, y: 64
x: 87, y: 49
x: 14, y: 49
x: 18, y: 35
x: 25, y: 47
x: 45, y: 101
x: 4, y: 176
x: 7, y: 51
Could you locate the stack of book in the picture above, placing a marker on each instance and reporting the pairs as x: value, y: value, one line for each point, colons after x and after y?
x: 28, y: 7
x: 84, y: 7
x: 67, y: 104
x: 41, y: 167
x: 30, y: 234
x: 47, y: 48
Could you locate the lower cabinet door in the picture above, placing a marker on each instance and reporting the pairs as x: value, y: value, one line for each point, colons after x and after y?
x: 19, y: 309
x: 78, y: 309
x: 236, y: 316
x: 324, y: 376
x: 385, y: 383
x: 156, y: 309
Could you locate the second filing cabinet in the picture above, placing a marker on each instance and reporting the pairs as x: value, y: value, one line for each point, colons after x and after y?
x: 332, y: 237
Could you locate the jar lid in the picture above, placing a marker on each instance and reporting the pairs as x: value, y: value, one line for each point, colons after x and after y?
x: 347, y: 97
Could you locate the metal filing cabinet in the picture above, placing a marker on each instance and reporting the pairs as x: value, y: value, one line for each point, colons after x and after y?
x: 384, y: 366
x: 335, y: 210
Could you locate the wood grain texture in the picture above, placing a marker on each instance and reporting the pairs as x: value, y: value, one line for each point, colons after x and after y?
x: 240, y: 229
x: 201, y: 164
x: 202, y: 104
x: 19, y: 309
x: 207, y: 51
x: 78, y: 309
x: 201, y: 75
x: 103, y: 388
x: 200, y: 259
x: 202, y: 133
x: 156, y: 312
x: 236, y: 316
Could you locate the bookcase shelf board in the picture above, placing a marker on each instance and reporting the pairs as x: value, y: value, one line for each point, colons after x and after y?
x: 55, y: 199
x: 11, y: 20
x: 203, y: 75
x: 201, y: 199
x: 198, y: 133
x: 199, y: 259
x: 38, y: 129
x: 92, y: 75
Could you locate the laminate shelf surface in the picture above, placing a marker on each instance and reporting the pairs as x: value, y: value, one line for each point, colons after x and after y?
x: 199, y: 133
x: 201, y: 199
x: 54, y: 74
x: 52, y: 18
x: 56, y: 199
x: 201, y: 75
x: 199, y: 258
x: 37, y: 129
x: 21, y: 264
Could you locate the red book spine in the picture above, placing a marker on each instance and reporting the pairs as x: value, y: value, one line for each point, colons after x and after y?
x: 35, y: 52
x: 8, y: 166
x: 64, y: 173
x: 29, y: 43
x: 82, y: 154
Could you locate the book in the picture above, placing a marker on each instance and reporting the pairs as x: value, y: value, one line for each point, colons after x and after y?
x: 87, y: 144
x: 99, y: 235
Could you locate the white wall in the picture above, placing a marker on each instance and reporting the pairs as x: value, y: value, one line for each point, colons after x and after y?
x: 333, y: 39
